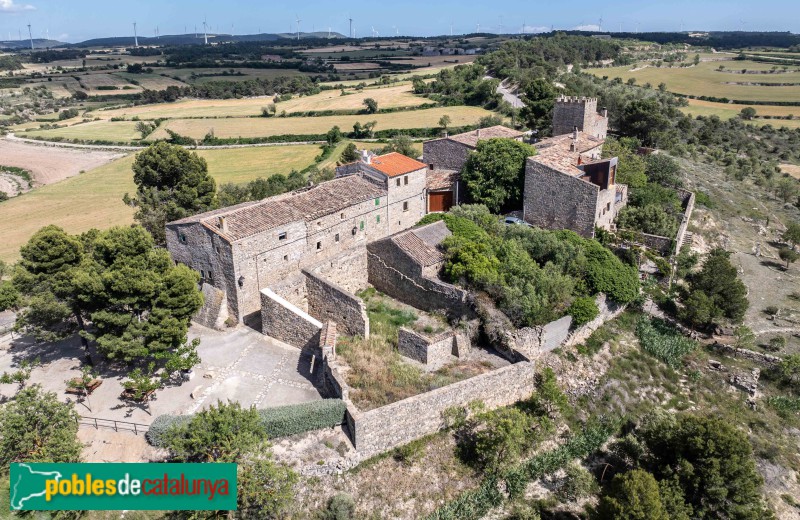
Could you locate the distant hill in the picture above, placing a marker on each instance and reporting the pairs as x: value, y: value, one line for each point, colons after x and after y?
x: 38, y: 43
x: 187, y: 39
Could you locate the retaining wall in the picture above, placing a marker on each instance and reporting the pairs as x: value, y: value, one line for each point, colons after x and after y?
x: 392, y: 272
x: 433, y: 352
x: 384, y: 428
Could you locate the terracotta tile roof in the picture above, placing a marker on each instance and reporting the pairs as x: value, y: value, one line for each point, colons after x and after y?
x: 555, y: 152
x: 471, y: 138
x: 421, y: 244
x: 393, y: 164
x: 442, y: 179
x: 307, y: 204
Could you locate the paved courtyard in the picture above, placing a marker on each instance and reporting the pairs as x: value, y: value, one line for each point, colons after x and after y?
x: 238, y: 365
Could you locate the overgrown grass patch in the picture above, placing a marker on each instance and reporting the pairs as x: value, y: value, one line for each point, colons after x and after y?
x: 663, y: 342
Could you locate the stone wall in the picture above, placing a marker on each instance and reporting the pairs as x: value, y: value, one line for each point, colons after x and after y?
x: 759, y: 357
x: 214, y: 311
x: 433, y: 352
x: 445, y: 154
x: 687, y: 200
x: 348, y: 270
x: 293, y: 290
x: 555, y: 200
x: 286, y: 322
x: 384, y: 428
x: 392, y: 272
x: 569, y: 112
x: 329, y: 302
x: 534, y: 341
x: 608, y: 311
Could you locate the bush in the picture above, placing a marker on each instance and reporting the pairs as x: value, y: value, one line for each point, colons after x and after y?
x: 298, y: 418
x: 340, y: 507
x: 583, y: 310
x: 663, y: 342
x: 276, y: 422
x: 159, y: 426
x: 578, y: 483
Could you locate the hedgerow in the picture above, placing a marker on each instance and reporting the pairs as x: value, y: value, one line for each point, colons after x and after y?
x: 298, y: 418
x: 277, y: 422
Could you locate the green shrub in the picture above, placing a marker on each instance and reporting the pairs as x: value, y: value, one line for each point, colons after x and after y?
x: 583, y: 310
x: 276, y: 422
x: 578, y: 483
x: 663, y: 342
x: 299, y: 418
x: 340, y: 507
x: 162, y: 423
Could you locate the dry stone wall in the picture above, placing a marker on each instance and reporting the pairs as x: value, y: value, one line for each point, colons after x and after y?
x: 393, y: 272
x: 384, y: 428
x: 214, y: 311
x: 434, y: 352
x: 445, y: 154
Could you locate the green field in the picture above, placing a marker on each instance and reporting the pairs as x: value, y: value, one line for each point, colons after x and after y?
x: 705, y: 80
x: 94, y: 199
x: 729, y: 110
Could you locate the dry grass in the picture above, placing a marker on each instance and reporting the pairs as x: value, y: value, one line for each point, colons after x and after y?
x: 94, y: 199
x: 50, y: 164
x: 150, y: 81
x: 705, y: 80
x: 117, y: 131
x: 387, y: 97
x: 791, y: 169
x: 727, y: 110
x: 265, y: 127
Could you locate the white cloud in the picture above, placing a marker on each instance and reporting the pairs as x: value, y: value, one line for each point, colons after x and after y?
x: 9, y: 6
x: 589, y: 27
x: 536, y: 29
x: 62, y: 37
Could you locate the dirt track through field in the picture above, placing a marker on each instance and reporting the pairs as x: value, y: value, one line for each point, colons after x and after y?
x: 48, y: 164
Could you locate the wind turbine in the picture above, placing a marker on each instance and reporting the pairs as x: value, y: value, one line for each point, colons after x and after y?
x: 205, y: 31
x: 523, y: 27
x: 501, y: 25
x: 600, y: 24
x: 135, y: 37
x: 477, y: 27
x: 451, y: 29
x: 351, y: 27
x: 298, y: 25
x: 329, y: 32
x: 30, y: 35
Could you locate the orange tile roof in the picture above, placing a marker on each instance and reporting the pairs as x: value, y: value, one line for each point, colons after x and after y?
x: 394, y: 163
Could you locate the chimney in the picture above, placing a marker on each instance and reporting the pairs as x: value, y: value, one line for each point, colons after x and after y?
x: 572, y: 146
x: 575, y: 133
x: 222, y: 224
x: 604, y: 112
x: 478, y: 133
x: 366, y: 157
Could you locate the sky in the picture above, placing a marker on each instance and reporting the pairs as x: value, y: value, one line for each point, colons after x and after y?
x: 78, y: 20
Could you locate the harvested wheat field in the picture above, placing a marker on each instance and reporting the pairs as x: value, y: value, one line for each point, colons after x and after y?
x: 387, y: 97
x: 51, y: 164
x: 265, y: 127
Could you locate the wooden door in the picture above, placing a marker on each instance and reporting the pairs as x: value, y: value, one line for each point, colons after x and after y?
x: 440, y: 201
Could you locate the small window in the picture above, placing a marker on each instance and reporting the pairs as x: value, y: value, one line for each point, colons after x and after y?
x: 319, y: 245
x: 182, y: 237
x: 341, y: 216
x: 361, y: 226
x: 430, y: 166
x: 218, y: 250
x: 608, y: 206
x: 210, y: 277
x: 282, y: 236
x: 378, y: 219
x: 398, y: 181
x: 336, y: 237
x: 405, y: 180
x: 405, y: 206
x: 285, y: 258
x: 378, y: 201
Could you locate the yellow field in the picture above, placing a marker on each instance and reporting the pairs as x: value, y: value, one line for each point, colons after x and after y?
x: 387, y: 97
x: 265, y: 127
x: 149, y: 81
x: 120, y: 131
x: 729, y: 110
x: 705, y: 80
x: 94, y: 199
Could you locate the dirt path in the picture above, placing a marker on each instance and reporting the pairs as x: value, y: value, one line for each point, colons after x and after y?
x: 49, y: 165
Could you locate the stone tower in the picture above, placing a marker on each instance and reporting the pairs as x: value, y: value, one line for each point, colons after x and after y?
x: 571, y: 112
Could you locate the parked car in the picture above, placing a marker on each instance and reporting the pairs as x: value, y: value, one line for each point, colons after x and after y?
x: 515, y: 221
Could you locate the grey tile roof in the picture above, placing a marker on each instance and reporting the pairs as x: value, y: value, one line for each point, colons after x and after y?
x: 421, y: 244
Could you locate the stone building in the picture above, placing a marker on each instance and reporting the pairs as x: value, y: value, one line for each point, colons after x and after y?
x: 446, y: 156
x: 569, y: 186
x: 581, y: 113
x: 243, y: 249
